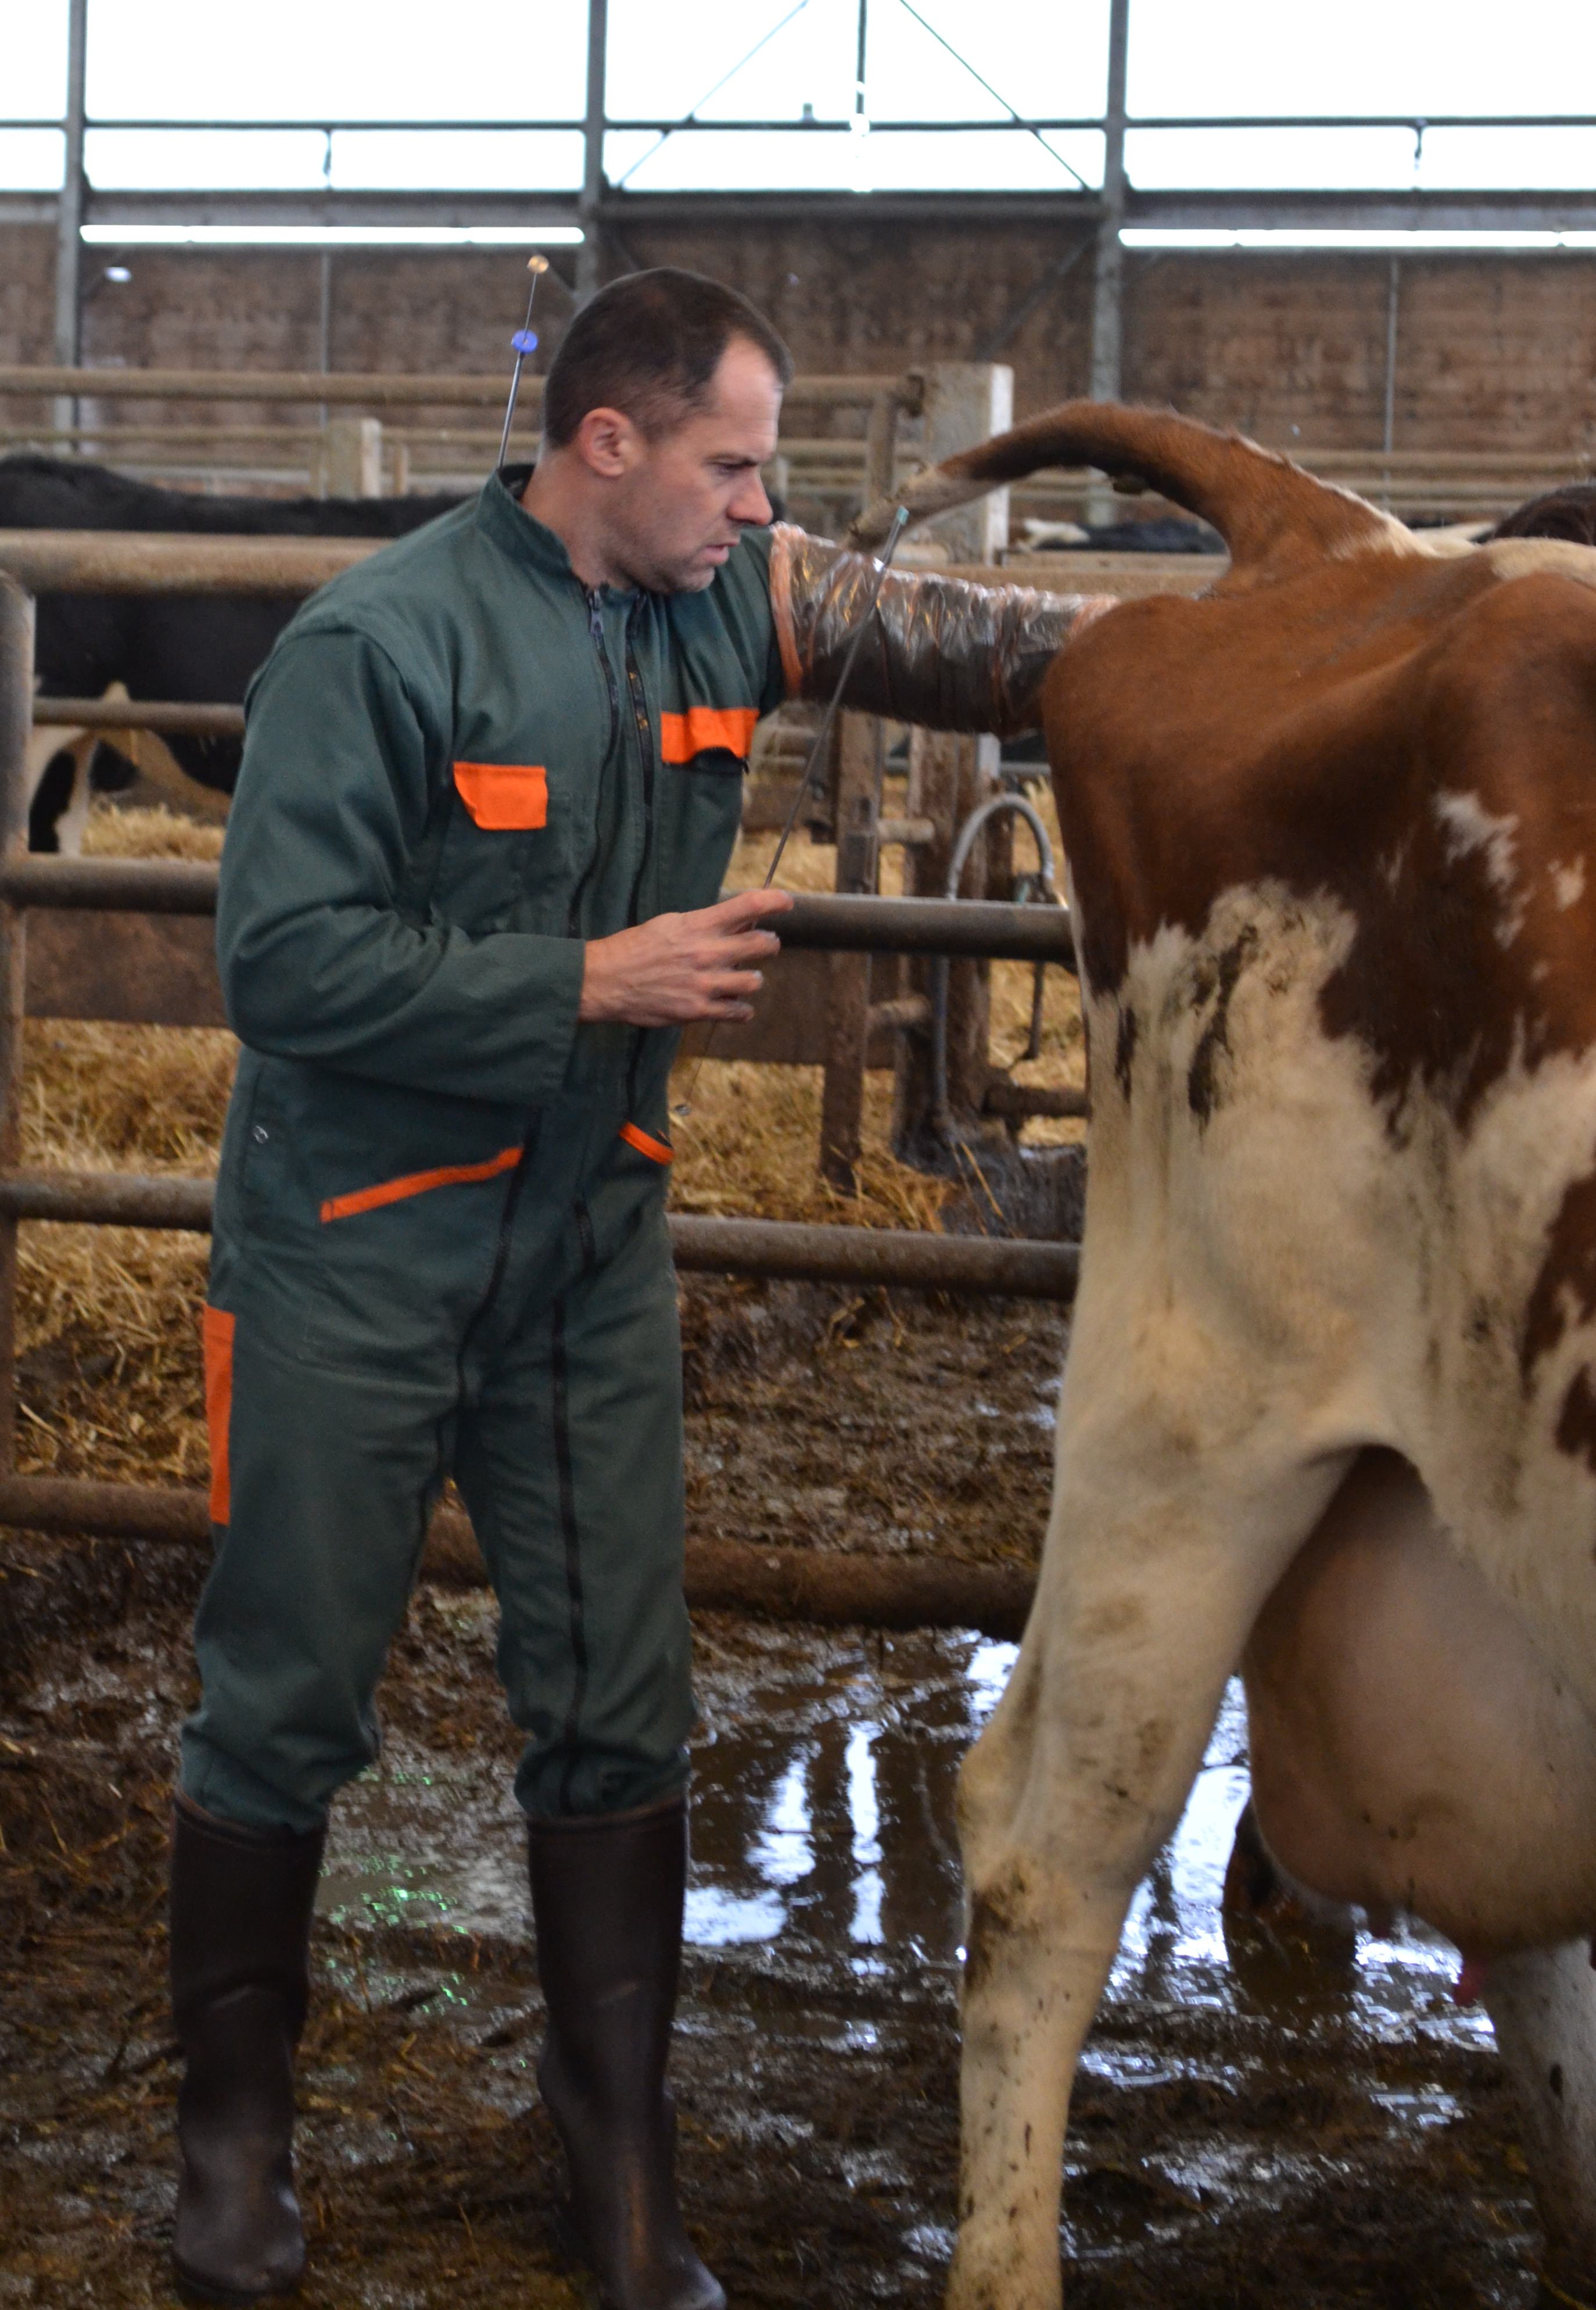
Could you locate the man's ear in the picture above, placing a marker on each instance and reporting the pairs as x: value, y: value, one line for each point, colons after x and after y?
x: 608, y: 443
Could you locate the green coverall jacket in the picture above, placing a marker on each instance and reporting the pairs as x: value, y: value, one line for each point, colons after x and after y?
x: 460, y: 764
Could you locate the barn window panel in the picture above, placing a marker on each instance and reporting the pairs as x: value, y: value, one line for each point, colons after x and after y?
x: 778, y: 62
x: 448, y: 160
x: 809, y: 59
x: 1161, y: 159
x: 996, y: 160
x: 32, y: 160
x: 1048, y: 63
x: 202, y: 160
x: 34, y: 87
x: 1394, y: 158
x: 1424, y: 57
x: 1485, y: 159
x: 762, y: 161
x: 335, y: 60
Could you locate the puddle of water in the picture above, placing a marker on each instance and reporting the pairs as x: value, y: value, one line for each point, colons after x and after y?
x: 826, y: 1897
x: 823, y: 1821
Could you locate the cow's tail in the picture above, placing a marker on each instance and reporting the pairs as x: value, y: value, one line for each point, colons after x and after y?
x: 1269, y: 511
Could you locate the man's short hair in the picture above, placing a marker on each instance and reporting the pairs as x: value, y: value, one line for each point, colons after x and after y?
x: 649, y: 345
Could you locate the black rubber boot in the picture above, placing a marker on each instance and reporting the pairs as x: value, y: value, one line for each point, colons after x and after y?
x: 240, y: 1933
x: 606, y: 1899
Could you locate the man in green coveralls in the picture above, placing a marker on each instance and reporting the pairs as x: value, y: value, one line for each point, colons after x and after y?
x: 469, y: 897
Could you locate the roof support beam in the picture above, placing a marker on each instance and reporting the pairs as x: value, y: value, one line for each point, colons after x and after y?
x: 1108, y: 286
x: 590, y: 257
x: 69, y: 210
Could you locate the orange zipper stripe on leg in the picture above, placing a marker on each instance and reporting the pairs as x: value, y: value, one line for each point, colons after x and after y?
x: 658, y: 1150
x: 419, y: 1183
x: 216, y: 1338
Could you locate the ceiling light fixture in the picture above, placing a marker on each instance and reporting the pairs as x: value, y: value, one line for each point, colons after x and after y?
x: 1395, y: 238
x: 139, y: 235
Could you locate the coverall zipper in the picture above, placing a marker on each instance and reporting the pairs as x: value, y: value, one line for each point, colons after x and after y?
x: 595, y: 626
x: 634, y: 683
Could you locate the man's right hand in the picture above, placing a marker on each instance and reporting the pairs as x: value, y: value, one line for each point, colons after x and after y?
x: 678, y: 967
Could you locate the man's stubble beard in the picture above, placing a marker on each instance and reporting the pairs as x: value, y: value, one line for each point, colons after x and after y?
x: 675, y: 581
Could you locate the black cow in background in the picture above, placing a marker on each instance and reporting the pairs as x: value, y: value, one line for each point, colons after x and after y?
x: 198, y: 649
x: 1567, y: 512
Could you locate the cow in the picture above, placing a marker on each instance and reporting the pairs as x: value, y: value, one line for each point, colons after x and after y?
x: 192, y: 649
x: 1161, y: 534
x: 1568, y: 511
x: 1329, y: 1409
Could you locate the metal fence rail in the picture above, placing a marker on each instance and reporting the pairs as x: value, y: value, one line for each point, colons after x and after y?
x: 156, y: 561
x: 786, y: 1583
x: 152, y: 561
x: 902, y: 1258
x: 833, y: 921
x: 376, y: 389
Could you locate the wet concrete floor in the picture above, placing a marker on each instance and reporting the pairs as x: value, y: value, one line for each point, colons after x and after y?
x: 825, y: 1907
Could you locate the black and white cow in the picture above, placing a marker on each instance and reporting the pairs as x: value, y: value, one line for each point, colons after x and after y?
x: 190, y: 649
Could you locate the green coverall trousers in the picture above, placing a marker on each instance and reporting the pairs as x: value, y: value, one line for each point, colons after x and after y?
x: 552, y: 1396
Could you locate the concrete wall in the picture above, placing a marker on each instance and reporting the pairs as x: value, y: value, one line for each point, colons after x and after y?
x: 1493, y: 351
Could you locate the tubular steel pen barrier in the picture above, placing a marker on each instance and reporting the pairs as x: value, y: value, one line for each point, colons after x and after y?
x: 884, y: 399
x: 810, y: 1585
x: 835, y: 922
x: 379, y: 389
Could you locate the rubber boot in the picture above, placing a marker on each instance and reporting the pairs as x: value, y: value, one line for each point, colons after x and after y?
x: 240, y: 1933
x: 607, y: 1893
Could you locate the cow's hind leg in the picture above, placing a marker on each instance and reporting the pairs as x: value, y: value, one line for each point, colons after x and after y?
x: 1157, y: 1558
x: 1542, y: 2004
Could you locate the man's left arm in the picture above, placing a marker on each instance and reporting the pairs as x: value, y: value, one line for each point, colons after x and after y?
x: 939, y: 651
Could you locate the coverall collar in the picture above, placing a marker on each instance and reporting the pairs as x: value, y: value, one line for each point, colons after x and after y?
x: 526, y: 540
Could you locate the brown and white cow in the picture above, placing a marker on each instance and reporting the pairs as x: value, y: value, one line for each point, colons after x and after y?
x: 1330, y: 1407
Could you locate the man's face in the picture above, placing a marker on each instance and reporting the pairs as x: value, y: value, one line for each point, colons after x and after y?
x: 685, y: 499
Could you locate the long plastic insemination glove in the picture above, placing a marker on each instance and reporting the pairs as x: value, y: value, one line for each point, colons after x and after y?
x: 939, y: 651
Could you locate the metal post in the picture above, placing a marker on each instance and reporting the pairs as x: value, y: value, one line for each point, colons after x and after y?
x: 967, y: 401
x: 880, y: 447
x: 861, y: 123
x: 324, y: 327
x: 69, y: 214
x: 1108, y: 286
x: 16, y: 720
x: 859, y: 742
x: 593, y: 150
x: 1388, y: 429
x: 1108, y: 296
x: 950, y: 776
x: 352, y: 457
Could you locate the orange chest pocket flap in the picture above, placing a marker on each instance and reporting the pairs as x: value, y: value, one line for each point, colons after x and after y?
x: 504, y: 797
x: 706, y: 730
